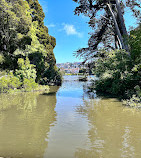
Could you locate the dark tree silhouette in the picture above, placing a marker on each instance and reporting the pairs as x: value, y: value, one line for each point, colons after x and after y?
x: 107, y: 21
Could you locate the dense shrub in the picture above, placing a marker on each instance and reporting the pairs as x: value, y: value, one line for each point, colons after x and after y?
x: 25, y: 70
x: 52, y: 76
x: 9, y: 82
x: 22, y: 80
x: 135, y: 100
x: 118, y: 74
x: 29, y: 84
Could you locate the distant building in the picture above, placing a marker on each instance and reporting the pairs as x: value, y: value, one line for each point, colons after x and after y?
x: 71, y: 67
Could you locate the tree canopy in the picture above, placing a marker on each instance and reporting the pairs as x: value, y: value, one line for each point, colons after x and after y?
x: 107, y: 23
x: 23, y: 34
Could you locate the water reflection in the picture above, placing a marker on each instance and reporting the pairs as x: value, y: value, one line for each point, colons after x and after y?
x: 25, y: 121
x: 71, y: 123
x: 114, y: 131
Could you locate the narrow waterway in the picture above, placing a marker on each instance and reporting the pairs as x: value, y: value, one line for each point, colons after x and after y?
x: 67, y: 123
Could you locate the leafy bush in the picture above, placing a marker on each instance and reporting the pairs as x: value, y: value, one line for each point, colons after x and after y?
x: 118, y: 74
x: 9, y: 82
x: 47, y: 72
x: 52, y: 75
x: 134, y: 101
x: 25, y: 70
x: 22, y: 80
x: 135, y: 44
x: 29, y: 85
x: 1, y: 59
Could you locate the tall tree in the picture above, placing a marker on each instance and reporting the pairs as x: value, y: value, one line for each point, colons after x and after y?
x: 23, y: 34
x: 107, y: 21
x: 15, y: 23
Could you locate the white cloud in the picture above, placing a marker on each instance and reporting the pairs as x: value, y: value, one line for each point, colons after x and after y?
x: 70, y: 30
x: 51, y: 25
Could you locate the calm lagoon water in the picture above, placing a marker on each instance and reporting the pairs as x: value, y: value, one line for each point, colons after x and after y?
x: 67, y: 123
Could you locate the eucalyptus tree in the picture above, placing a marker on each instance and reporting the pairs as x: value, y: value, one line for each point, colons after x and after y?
x: 107, y: 21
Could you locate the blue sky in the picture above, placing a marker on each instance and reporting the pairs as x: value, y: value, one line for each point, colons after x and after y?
x: 71, y: 31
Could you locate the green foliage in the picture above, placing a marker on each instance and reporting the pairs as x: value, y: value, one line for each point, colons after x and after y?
x: 22, y: 80
x: 23, y: 34
x: 135, y: 44
x: 53, y: 41
x: 2, y: 73
x: 120, y: 74
x: 25, y: 70
x: 9, y: 82
x: 138, y: 91
x: 117, y: 74
x: 36, y: 10
x: 29, y: 84
x: 113, y: 63
x: 109, y: 28
x: 134, y: 101
x: 15, y: 19
x: 52, y: 76
x: 1, y: 59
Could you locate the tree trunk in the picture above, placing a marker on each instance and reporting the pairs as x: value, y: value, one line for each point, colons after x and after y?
x: 117, y: 44
x: 116, y: 27
x: 122, y: 25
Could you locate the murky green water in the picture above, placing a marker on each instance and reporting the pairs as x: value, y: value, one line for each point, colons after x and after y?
x: 67, y: 124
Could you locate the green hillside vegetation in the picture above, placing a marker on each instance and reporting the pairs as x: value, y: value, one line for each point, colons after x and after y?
x: 26, y: 48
